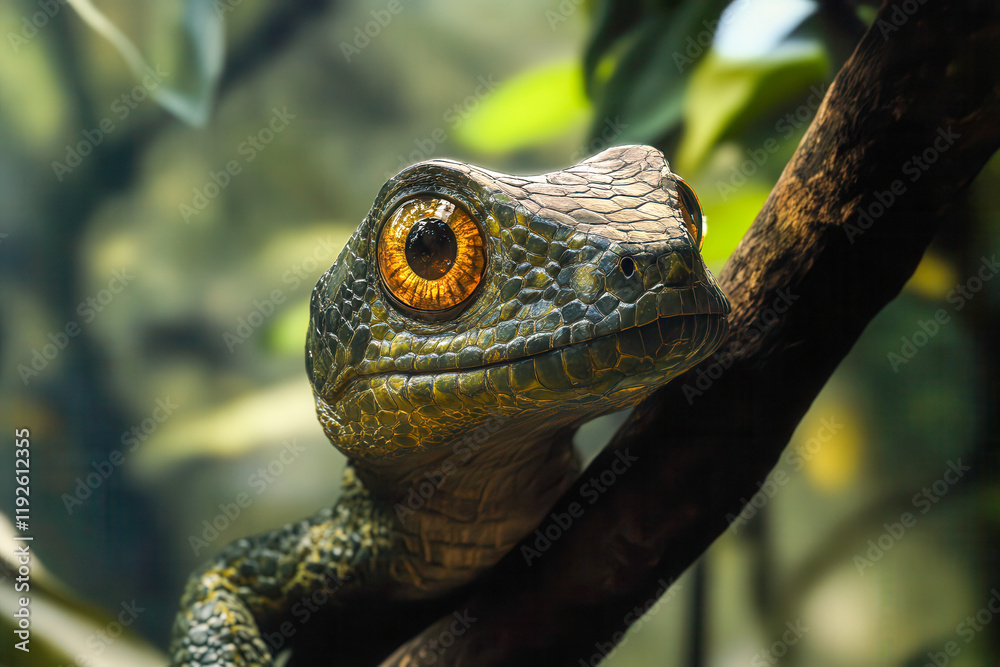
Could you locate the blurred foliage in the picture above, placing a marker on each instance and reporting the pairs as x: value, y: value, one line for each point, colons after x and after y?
x: 722, y: 94
x: 530, y: 108
x: 186, y: 41
x: 521, y: 87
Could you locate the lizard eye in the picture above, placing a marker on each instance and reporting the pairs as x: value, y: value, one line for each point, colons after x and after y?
x: 431, y: 255
x: 694, y: 219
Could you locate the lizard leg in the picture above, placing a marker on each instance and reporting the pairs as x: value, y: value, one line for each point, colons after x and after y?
x: 228, y: 604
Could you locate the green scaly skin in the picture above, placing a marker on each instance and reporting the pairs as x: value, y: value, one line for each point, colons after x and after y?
x: 477, y: 411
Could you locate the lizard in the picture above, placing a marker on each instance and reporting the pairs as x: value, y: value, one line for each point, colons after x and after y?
x: 471, y: 324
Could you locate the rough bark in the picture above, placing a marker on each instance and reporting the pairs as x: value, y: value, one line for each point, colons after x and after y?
x: 923, y: 78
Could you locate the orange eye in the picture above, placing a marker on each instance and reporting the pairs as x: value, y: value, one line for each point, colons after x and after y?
x: 431, y: 254
x: 694, y: 219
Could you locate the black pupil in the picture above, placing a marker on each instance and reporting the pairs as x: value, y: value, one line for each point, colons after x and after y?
x: 431, y: 248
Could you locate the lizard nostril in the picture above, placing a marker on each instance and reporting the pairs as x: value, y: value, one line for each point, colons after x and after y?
x: 627, y: 266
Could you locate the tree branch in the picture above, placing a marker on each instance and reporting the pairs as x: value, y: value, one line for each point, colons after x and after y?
x: 828, y: 251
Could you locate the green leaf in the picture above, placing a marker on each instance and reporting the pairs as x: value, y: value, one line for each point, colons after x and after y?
x: 726, y: 95
x: 654, y: 56
x: 183, y: 76
x: 531, y: 108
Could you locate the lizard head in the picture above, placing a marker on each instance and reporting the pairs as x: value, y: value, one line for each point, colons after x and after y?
x: 467, y: 296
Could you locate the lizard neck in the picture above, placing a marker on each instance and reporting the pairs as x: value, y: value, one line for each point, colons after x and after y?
x: 465, y: 507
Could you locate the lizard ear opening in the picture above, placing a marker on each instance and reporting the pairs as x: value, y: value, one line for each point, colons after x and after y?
x: 694, y: 218
x: 431, y: 255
